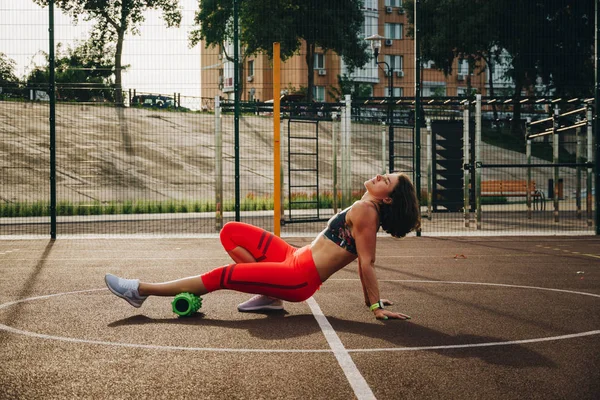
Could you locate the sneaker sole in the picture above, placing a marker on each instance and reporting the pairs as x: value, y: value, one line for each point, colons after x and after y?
x: 136, y: 305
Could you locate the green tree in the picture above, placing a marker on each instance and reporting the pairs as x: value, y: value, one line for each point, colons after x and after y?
x: 113, y: 19
x: 549, y: 40
x: 347, y: 85
x: 8, y: 79
x: 81, y: 73
x: 7, y: 69
x: 331, y: 25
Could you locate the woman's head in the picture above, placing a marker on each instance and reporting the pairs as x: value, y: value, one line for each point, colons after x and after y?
x: 400, y: 212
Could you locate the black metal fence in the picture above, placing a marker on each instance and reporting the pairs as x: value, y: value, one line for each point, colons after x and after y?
x: 134, y: 155
x: 153, y: 171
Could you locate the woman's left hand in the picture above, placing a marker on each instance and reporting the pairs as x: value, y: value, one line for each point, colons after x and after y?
x: 382, y: 313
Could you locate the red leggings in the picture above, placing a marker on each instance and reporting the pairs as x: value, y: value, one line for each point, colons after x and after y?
x: 280, y: 270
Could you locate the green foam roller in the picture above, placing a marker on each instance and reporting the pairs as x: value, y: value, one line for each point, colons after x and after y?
x: 186, y: 304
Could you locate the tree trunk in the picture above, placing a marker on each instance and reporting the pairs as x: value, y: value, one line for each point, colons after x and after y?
x: 122, y: 28
x: 515, y: 128
x: 490, y: 65
x: 519, y: 77
x: 310, y: 63
x: 118, y: 75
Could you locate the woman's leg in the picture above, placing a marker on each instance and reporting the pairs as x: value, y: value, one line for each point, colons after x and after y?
x: 271, y: 279
x: 192, y: 284
x: 247, y: 243
x: 295, y: 279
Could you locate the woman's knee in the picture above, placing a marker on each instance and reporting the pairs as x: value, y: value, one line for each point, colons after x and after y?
x: 226, y: 234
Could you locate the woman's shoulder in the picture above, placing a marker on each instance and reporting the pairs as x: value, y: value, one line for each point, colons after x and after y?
x: 363, y: 211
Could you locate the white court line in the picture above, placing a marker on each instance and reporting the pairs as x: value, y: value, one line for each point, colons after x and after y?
x: 357, y: 381
x: 246, y: 350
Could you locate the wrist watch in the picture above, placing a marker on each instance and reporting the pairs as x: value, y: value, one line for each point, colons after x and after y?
x: 377, y: 305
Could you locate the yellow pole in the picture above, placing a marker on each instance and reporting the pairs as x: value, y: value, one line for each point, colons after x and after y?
x: 277, y: 140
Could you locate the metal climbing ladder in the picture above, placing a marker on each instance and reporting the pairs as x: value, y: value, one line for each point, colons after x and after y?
x: 402, y: 151
x: 303, y: 172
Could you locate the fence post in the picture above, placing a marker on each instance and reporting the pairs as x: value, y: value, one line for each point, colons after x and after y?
x: 528, y: 156
x: 236, y: 106
x: 588, y: 191
x: 383, y: 150
x: 478, y: 159
x: 555, y: 147
x: 52, y: 120
x: 334, y: 150
x: 578, y: 159
x: 218, y: 167
x: 429, y: 169
x: 467, y: 182
x: 281, y: 174
x: 276, y: 140
x: 346, y: 152
x: 343, y: 156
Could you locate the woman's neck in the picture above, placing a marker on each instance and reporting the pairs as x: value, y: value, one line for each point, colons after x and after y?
x: 369, y: 197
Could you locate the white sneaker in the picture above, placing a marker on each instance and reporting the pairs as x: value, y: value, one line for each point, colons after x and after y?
x: 261, y: 303
x: 126, y: 289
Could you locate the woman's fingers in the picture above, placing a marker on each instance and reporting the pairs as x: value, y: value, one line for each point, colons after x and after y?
x: 392, y: 315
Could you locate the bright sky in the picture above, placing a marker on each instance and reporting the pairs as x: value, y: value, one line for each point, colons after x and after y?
x: 159, y: 58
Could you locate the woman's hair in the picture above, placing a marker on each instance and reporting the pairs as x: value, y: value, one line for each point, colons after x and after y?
x: 403, y: 214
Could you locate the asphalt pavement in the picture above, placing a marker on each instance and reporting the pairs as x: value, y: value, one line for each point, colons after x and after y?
x: 492, y: 318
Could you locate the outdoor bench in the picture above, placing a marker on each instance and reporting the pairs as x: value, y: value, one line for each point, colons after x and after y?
x: 512, y: 188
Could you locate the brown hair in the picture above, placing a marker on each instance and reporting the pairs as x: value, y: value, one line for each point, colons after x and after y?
x: 403, y: 214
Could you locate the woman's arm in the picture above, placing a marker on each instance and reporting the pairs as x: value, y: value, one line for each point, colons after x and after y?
x: 362, y: 282
x: 385, y: 302
x: 364, y: 220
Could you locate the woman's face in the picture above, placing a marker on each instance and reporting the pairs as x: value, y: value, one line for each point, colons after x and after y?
x: 381, y: 186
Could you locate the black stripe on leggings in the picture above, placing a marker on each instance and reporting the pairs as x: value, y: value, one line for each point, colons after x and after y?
x: 262, y: 237
x: 268, y: 244
x: 223, y: 277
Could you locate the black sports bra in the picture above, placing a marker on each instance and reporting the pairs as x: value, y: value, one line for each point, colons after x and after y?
x: 339, y: 232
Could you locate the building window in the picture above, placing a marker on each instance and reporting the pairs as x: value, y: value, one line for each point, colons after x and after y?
x: 434, y: 90
x: 369, y: 26
x: 319, y: 93
x: 463, y: 67
x: 393, y: 31
x: 371, y: 4
x: 319, y: 61
x: 251, y: 68
x: 395, y: 62
x: 398, y: 92
x: 393, y: 3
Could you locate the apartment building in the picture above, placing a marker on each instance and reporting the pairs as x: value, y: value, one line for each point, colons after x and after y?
x: 386, y: 18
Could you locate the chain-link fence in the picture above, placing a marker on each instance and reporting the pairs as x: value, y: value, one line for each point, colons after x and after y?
x: 144, y: 136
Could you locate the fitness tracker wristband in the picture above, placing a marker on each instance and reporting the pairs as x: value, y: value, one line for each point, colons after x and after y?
x: 377, y: 305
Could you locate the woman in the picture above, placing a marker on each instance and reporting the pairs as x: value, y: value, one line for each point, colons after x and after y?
x: 268, y: 266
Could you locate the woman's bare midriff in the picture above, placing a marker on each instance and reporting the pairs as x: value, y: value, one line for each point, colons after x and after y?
x: 329, y: 257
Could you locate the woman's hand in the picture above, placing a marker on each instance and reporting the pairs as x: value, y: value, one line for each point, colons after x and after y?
x: 382, y: 313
